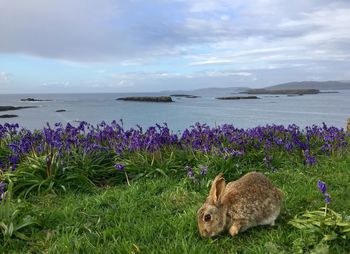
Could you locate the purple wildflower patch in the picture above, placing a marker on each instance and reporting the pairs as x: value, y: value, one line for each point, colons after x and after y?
x: 225, y: 141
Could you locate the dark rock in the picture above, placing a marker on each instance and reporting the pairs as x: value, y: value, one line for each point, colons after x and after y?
x: 282, y: 91
x: 8, y: 116
x: 61, y: 110
x: 237, y: 97
x: 7, y: 108
x: 184, y: 95
x: 32, y: 99
x: 147, y: 98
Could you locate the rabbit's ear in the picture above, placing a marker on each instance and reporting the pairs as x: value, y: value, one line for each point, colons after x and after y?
x: 217, y: 189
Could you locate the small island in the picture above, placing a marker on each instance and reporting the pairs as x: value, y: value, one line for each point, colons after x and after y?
x: 282, y: 91
x: 8, y: 116
x: 32, y: 99
x: 237, y: 97
x: 7, y: 108
x: 189, y: 96
x: 147, y: 98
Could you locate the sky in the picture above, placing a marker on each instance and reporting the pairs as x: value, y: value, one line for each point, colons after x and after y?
x: 71, y: 46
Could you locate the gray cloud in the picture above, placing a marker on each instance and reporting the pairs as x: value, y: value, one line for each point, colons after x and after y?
x: 214, y: 43
x: 87, y: 30
x: 83, y: 30
x: 58, y: 29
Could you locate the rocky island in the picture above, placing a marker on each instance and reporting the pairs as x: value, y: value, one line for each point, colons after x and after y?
x: 32, y: 99
x: 184, y: 96
x: 237, y: 97
x: 8, y: 116
x: 282, y: 91
x: 7, y: 108
x: 147, y: 98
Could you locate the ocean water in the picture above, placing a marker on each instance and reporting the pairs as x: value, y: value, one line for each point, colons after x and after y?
x: 306, y: 110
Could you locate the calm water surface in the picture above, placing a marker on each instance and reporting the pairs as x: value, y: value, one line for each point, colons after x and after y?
x: 331, y: 108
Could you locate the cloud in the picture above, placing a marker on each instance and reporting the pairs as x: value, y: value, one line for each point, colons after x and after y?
x: 86, y: 30
x: 212, y: 61
x: 130, y: 31
x: 4, y: 77
x: 228, y: 73
x: 63, y: 84
x: 144, y: 44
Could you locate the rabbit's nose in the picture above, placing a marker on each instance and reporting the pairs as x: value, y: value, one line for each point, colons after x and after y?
x: 205, y: 233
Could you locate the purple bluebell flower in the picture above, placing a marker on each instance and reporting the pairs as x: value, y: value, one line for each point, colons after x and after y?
x: 322, y: 187
x: 204, y: 169
x: 190, y: 172
x: 309, y: 159
x: 2, y: 190
x: 327, y: 198
x: 2, y: 186
x: 119, y: 166
x: 288, y: 147
x: 14, y: 160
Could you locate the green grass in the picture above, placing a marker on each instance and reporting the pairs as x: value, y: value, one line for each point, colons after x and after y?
x: 158, y: 215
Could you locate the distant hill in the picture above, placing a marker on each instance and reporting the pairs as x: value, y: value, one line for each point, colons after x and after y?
x: 209, y: 91
x: 320, y: 85
x: 282, y: 91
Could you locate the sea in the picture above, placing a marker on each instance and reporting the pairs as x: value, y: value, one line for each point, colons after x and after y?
x: 330, y: 108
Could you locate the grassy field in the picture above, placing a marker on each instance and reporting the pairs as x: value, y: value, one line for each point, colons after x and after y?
x: 159, y: 216
x: 146, y: 201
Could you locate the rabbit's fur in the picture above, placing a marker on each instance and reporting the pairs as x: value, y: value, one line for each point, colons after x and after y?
x: 249, y: 201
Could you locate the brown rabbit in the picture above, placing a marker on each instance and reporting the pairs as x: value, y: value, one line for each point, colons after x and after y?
x: 250, y: 201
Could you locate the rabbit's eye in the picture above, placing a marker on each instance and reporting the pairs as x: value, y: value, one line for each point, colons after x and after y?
x: 207, y: 217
